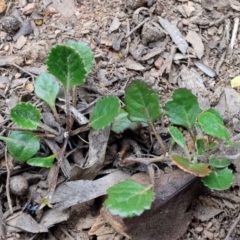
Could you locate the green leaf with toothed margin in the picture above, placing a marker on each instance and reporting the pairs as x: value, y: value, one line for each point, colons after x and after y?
x: 141, y: 102
x: 104, y: 112
x: 26, y: 115
x: 183, y: 109
x: 85, y: 52
x: 212, y: 124
x: 47, y: 88
x: 129, y: 198
x: 23, y: 145
x: 219, y: 179
x: 66, y: 65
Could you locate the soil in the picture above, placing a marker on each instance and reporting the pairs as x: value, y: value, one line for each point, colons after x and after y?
x: 131, y: 39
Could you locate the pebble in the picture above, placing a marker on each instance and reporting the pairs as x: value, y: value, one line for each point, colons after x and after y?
x: 198, y: 229
x: 186, y: 22
x: 209, y: 225
x: 222, y: 233
x: 10, y: 24
x: 6, y: 47
x: 20, y: 42
x: 159, y: 62
x: 207, y: 234
x: 28, y: 9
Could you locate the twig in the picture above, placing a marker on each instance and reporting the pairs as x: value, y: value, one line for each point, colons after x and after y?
x: 2, y: 232
x: 128, y: 39
x: 23, y: 70
x: 219, y: 63
x: 232, y: 228
x: 146, y: 161
x: 66, y: 233
x: 7, y: 183
x: 234, y: 34
x: 137, y: 27
x: 220, y: 20
x: 24, y: 129
x: 170, y: 59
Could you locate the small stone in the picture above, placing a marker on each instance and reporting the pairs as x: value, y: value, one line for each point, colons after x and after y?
x: 10, y: 24
x: 159, y: 62
x: 28, y: 9
x: 17, y: 75
x: 18, y: 185
x: 186, y: 22
x: 207, y: 234
x: 198, y: 229
x: 20, y: 42
x: 209, y: 225
x: 222, y: 233
x: 6, y: 47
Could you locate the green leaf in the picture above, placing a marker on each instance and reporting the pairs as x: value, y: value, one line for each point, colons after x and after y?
x: 200, y: 146
x: 213, y: 125
x: 198, y: 169
x: 219, y: 163
x: 46, y: 88
x: 24, y: 145
x: 211, y: 146
x: 141, y: 102
x: 178, y: 137
x: 42, y: 161
x: 216, y: 113
x: 129, y: 198
x: 183, y: 109
x: 220, y: 179
x: 104, y: 112
x: 121, y: 122
x: 66, y: 65
x: 45, y: 202
x: 85, y: 52
x: 26, y: 115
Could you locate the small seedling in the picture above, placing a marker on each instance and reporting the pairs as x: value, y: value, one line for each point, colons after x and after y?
x: 142, y: 105
x: 69, y: 65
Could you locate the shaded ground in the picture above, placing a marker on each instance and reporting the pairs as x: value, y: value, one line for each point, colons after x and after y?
x: 128, y: 43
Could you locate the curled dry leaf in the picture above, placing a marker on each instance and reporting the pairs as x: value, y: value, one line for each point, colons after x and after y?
x: 175, y: 34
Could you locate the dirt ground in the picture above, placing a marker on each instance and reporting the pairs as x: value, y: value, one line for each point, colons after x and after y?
x: 131, y: 39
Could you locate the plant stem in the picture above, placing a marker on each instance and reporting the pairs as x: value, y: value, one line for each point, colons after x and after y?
x: 68, y: 112
x: 74, y: 96
x: 159, y: 139
x: 55, y: 113
x: 23, y: 129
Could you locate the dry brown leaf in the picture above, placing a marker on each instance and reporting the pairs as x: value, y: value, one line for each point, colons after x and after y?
x: 2, y: 6
x: 29, y: 87
x: 193, y: 38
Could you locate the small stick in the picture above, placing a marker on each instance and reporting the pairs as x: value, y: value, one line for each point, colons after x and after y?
x: 2, y: 224
x: 8, y: 183
x: 146, y: 161
x: 232, y: 228
x: 22, y: 69
x: 234, y: 34
x: 170, y: 59
x: 137, y: 27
